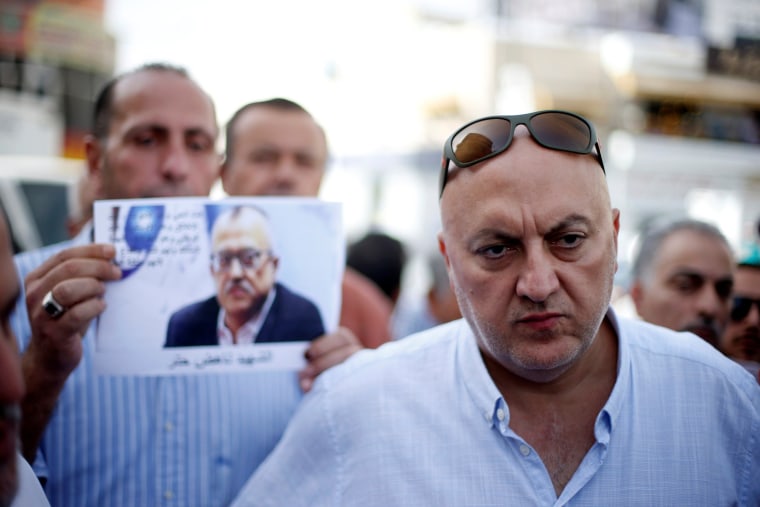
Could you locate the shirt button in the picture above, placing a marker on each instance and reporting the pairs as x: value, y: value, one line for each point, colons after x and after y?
x: 168, y: 426
x: 524, y: 449
x: 500, y: 414
x: 168, y: 494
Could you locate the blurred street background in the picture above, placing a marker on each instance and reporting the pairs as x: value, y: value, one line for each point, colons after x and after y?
x: 672, y: 85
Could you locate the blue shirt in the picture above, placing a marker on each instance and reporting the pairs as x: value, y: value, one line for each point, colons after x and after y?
x: 420, y: 422
x: 174, y: 441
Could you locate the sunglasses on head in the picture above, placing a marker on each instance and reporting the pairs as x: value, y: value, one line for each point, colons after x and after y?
x: 487, y: 137
x: 741, y: 306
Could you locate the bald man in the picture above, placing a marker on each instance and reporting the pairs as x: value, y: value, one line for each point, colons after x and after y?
x: 541, y: 395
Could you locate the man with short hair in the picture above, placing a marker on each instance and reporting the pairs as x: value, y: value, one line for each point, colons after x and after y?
x: 541, y: 395
x: 741, y: 339
x: 275, y: 147
x: 104, y: 440
x: 682, y: 277
x: 249, y: 305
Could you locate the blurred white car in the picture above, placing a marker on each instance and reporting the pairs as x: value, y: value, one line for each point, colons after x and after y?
x: 39, y: 196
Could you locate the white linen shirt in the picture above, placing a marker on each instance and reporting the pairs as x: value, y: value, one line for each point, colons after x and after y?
x: 419, y: 422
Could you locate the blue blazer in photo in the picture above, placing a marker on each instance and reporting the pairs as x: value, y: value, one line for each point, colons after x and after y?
x: 291, y: 318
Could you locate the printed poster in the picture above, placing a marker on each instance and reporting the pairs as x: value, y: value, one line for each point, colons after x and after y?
x: 217, y: 285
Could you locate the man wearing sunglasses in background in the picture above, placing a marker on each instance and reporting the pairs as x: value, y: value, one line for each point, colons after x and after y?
x: 741, y: 340
x: 541, y: 395
x: 249, y: 305
x: 682, y: 277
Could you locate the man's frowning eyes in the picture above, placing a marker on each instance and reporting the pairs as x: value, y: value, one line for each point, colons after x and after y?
x: 689, y: 283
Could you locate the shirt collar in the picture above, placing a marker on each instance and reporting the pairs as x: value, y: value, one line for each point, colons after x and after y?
x: 475, y: 376
x: 489, y: 402
x: 246, y: 335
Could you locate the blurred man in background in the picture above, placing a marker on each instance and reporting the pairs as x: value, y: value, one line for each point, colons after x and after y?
x: 438, y: 304
x: 104, y: 440
x: 275, y: 147
x: 381, y: 258
x: 682, y: 278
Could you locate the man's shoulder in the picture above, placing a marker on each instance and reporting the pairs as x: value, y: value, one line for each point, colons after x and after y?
x: 197, y: 309
x: 291, y: 297
x: 401, y: 361
x: 660, y: 340
x: 671, y: 353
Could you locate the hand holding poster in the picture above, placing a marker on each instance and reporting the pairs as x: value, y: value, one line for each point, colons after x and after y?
x: 211, y: 286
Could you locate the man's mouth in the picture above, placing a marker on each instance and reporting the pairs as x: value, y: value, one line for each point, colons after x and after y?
x: 540, y: 321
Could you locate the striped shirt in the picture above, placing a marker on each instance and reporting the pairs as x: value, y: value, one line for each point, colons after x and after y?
x: 420, y: 422
x: 158, y: 441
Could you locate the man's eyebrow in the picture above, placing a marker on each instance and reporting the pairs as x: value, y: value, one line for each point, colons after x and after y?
x: 153, y: 127
x: 572, y: 220
x: 687, y: 272
x: 198, y: 131
x: 163, y: 129
x: 690, y: 272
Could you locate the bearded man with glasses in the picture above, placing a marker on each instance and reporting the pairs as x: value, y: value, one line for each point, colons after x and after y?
x: 249, y: 306
x: 541, y: 395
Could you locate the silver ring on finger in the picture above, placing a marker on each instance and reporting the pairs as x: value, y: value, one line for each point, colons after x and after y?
x: 51, y: 306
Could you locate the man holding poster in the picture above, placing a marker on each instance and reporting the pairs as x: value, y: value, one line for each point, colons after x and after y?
x: 140, y: 440
x: 249, y: 305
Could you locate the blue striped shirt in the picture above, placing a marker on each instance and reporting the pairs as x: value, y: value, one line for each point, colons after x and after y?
x: 158, y: 441
x: 420, y: 422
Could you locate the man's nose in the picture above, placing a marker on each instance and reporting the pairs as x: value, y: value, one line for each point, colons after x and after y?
x: 175, y: 164
x: 710, y: 303
x: 236, y: 268
x: 287, y: 170
x: 537, y: 279
x: 753, y: 317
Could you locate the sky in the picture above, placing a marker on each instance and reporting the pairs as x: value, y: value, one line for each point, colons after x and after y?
x: 361, y: 68
x: 347, y: 62
x: 365, y: 70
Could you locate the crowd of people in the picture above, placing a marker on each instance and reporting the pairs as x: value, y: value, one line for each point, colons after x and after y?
x: 519, y: 384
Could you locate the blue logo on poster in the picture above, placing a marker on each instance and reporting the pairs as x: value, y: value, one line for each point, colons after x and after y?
x: 140, y: 232
x: 143, y: 224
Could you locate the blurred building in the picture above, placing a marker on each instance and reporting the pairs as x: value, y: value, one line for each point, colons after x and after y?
x: 54, y: 56
x: 673, y: 86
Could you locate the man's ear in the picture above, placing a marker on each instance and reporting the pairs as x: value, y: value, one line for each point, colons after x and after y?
x: 94, y: 157
x: 224, y: 173
x: 636, y: 292
x: 442, y: 249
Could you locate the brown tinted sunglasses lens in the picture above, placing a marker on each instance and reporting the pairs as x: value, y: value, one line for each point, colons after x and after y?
x: 481, y: 139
